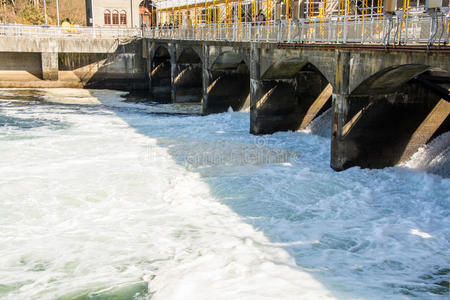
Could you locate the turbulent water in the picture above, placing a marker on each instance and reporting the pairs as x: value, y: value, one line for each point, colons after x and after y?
x: 118, y: 200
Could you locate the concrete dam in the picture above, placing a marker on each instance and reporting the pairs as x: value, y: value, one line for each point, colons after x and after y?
x: 386, y: 100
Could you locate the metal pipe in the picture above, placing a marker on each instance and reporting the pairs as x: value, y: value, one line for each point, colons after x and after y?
x: 443, y: 29
x: 92, y: 13
x: 434, y: 25
x: 387, y: 36
x: 57, y: 12
x: 45, y: 12
x: 131, y: 13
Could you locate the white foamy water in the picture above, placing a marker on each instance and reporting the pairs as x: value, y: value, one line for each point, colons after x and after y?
x: 119, y: 200
x: 433, y: 157
x: 322, y: 124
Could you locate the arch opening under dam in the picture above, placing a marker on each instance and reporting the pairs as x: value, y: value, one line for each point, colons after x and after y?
x: 229, y: 84
x: 293, y: 93
x: 188, y: 81
x: 161, y: 81
x: 393, y: 113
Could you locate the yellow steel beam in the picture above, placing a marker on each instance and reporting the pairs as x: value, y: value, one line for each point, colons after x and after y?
x: 206, y: 3
x: 240, y: 12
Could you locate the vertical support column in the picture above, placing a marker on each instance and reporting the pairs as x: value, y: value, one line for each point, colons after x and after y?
x: 149, y: 65
x: 134, y: 58
x: 340, y: 110
x: 49, y: 61
x: 206, y: 77
x: 256, y: 85
x: 173, y: 70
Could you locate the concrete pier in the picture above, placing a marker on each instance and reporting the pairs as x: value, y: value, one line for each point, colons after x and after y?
x: 49, y: 61
x: 276, y: 110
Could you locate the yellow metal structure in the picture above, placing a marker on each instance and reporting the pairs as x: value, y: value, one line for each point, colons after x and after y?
x: 213, y: 13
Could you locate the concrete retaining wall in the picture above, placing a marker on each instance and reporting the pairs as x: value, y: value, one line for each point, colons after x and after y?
x: 99, y: 64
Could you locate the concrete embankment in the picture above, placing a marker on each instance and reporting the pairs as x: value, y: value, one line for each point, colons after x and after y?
x: 46, y: 63
x: 74, y: 70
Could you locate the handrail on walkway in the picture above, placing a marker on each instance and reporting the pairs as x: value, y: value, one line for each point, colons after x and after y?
x: 405, y: 29
x: 69, y: 32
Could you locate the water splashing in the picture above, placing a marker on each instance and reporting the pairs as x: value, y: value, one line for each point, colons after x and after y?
x: 433, y: 157
x: 322, y: 124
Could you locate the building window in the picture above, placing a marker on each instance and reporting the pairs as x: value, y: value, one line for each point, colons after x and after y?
x: 115, y: 17
x: 107, y: 16
x: 123, y: 17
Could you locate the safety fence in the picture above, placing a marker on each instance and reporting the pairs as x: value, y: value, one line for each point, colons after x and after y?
x: 402, y: 28
x: 416, y: 29
x: 68, y: 32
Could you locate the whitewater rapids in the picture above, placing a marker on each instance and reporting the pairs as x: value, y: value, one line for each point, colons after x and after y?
x: 136, y: 201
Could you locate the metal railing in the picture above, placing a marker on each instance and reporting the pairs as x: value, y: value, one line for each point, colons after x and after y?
x: 407, y: 29
x: 403, y: 28
x: 68, y: 32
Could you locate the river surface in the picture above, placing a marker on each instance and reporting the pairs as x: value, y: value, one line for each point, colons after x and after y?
x: 121, y: 200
